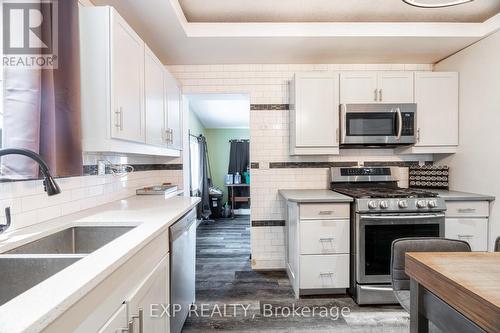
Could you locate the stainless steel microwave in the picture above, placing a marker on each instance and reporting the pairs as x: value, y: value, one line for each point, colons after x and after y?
x: 377, y: 124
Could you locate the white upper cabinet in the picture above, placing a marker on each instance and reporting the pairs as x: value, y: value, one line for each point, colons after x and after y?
x: 376, y: 87
x: 127, y: 71
x: 155, y: 99
x: 123, y: 93
x: 358, y: 87
x: 436, y: 95
x: 395, y: 87
x: 174, y: 112
x: 314, y: 114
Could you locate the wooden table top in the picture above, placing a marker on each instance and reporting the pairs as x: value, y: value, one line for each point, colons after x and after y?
x: 467, y: 281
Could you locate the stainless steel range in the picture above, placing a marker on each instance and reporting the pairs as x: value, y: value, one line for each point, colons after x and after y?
x: 381, y: 213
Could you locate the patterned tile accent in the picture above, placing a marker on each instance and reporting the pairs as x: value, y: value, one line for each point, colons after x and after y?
x: 396, y: 163
x: 309, y: 165
x: 268, y: 223
x: 91, y: 170
x: 269, y: 107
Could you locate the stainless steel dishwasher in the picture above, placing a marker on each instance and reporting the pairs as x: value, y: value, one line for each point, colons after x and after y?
x: 182, y: 269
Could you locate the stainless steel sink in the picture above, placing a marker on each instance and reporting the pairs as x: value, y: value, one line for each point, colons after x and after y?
x: 18, y: 273
x: 82, y: 239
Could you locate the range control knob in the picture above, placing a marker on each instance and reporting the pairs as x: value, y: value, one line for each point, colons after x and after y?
x: 403, y: 204
x: 372, y: 204
x: 384, y: 204
x: 421, y: 204
x: 432, y: 204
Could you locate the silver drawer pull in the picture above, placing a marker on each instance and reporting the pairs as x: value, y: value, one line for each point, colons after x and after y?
x: 329, y: 239
x: 465, y: 236
x: 466, y: 210
x: 326, y: 274
x: 325, y: 212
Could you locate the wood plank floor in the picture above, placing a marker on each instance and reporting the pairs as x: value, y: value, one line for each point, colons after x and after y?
x: 224, y: 278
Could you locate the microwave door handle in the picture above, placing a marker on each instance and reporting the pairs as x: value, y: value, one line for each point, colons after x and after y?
x: 400, y: 123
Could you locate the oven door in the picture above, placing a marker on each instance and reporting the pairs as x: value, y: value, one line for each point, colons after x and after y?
x: 375, y: 234
x: 379, y: 124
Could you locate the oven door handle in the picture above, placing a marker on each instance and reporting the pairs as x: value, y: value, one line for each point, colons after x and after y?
x: 401, y: 217
x: 400, y: 124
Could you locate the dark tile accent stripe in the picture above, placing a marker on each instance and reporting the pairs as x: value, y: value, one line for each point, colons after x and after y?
x: 269, y: 107
x: 254, y: 165
x: 91, y: 170
x: 309, y: 165
x: 268, y: 223
x: 397, y: 163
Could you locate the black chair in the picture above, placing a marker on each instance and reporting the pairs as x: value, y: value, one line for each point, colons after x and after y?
x: 401, y: 281
x: 497, y: 245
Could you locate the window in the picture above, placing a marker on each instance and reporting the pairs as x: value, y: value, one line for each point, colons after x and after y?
x: 194, y: 158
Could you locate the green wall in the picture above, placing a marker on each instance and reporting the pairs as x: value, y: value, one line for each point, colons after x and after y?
x: 218, y: 151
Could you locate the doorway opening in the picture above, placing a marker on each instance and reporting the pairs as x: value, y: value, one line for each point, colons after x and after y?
x: 219, y: 154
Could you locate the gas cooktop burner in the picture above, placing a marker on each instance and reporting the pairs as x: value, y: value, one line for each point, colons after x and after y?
x: 384, y: 192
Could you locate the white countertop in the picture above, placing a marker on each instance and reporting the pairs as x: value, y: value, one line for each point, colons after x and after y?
x: 305, y: 196
x: 37, y: 307
x: 462, y: 196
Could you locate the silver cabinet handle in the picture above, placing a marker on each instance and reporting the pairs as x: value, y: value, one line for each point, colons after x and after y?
x: 380, y: 95
x: 119, y: 115
x: 329, y: 239
x: 326, y: 274
x: 337, y: 132
x: 465, y: 236
x: 139, y: 316
x: 418, y: 134
x: 400, y: 123
x: 325, y: 212
x: 375, y: 98
x: 466, y: 210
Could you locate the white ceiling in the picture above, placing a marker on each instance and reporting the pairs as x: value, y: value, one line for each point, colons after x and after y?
x: 221, y: 110
x: 332, y: 11
x: 162, y: 24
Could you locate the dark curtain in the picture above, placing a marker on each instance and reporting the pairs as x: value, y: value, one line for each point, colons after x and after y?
x: 42, y: 106
x: 239, y: 160
x: 204, y: 207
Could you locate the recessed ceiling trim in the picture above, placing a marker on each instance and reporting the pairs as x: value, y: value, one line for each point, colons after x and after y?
x: 438, y: 4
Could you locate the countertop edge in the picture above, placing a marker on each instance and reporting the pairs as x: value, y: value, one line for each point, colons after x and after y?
x: 336, y: 197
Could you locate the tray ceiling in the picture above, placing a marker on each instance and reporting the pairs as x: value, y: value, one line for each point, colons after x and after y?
x: 332, y: 11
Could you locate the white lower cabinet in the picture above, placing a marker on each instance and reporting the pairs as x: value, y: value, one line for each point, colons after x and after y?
x: 117, y: 323
x: 318, y: 247
x: 144, y: 307
x: 468, y: 221
x: 324, y: 271
x: 472, y: 230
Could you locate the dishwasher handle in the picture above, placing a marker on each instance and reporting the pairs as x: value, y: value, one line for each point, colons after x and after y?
x: 182, y: 225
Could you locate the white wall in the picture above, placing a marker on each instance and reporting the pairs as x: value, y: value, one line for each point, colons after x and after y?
x: 475, y: 168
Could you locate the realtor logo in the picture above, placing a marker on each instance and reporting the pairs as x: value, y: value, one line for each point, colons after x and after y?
x: 30, y: 34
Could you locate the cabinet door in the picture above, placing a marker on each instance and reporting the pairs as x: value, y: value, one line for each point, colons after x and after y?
x: 174, y: 119
x: 127, y: 75
x: 155, y: 99
x: 316, y: 110
x: 358, y: 87
x: 472, y: 230
x: 145, y: 303
x: 117, y: 322
x: 436, y: 95
x: 395, y: 87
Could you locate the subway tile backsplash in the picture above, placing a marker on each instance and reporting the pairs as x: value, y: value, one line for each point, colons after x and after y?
x: 273, y: 168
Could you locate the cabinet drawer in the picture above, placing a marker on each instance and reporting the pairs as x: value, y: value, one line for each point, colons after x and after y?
x: 324, y: 271
x: 467, y: 209
x: 324, y: 211
x: 473, y: 231
x: 324, y: 236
